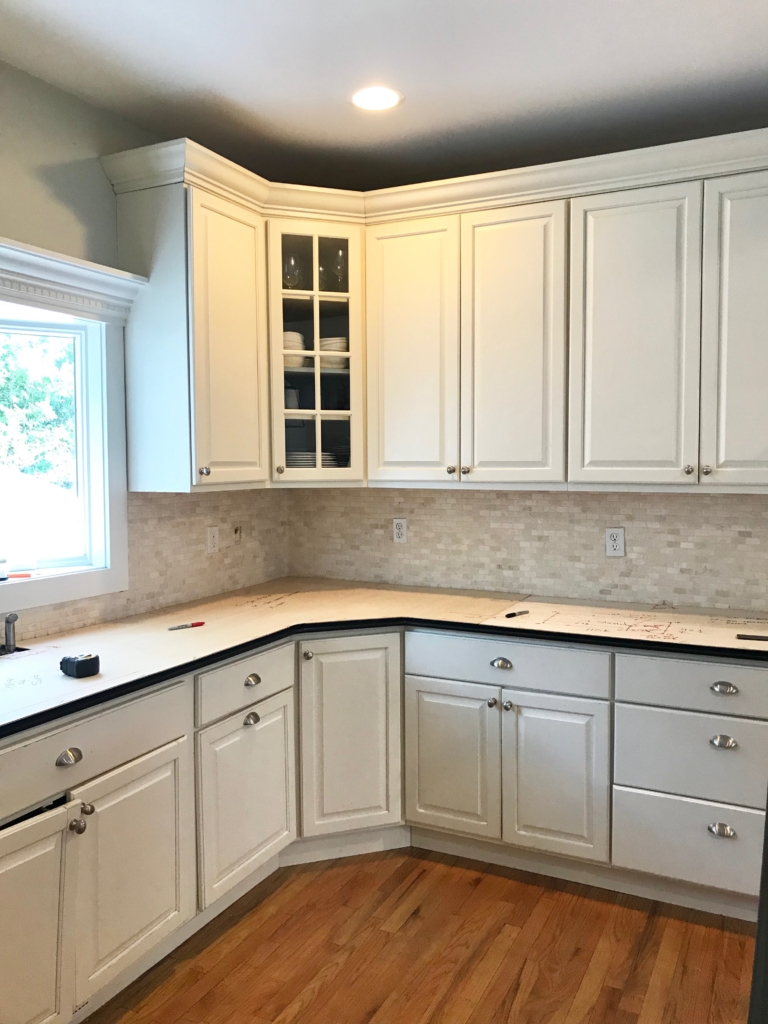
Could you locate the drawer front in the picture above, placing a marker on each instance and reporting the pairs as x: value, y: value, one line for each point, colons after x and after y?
x: 28, y: 770
x: 550, y: 668
x: 675, y: 683
x: 670, y: 751
x: 669, y: 836
x: 222, y: 691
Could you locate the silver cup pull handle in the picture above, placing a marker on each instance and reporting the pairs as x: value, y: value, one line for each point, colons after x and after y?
x: 722, y: 687
x: 69, y: 757
x: 251, y: 719
x: 723, y: 742
x: 253, y: 679
x: 501, y: 663
x: 721, y: 830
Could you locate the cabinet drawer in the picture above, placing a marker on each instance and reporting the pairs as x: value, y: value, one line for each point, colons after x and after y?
x: 556, y: 669
x: 669, y: 835
x: 675, y: 683
x: 28, y: 771
x: 222, y: 691
x: 671, y: 751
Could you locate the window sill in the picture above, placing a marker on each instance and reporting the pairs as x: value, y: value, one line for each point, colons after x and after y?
x: 58, y: 586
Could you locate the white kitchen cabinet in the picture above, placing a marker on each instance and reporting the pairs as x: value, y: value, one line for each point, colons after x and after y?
x: 513, y: 281
x: 412, y: 292
x: 38, y: 858
x: 556, y: 773
x: 453, y: 756
x: 196, y: 345
x: 135, y: 879
x: 635, y: 336
x: 316, y: 331
x: 734, y: 359
x: 247, y: 787
x: 350, y: 733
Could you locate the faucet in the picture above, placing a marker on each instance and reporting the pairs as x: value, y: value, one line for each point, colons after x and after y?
x: 10, y: 632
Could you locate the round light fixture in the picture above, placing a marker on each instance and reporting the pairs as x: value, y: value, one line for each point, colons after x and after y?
x: 377, y: 97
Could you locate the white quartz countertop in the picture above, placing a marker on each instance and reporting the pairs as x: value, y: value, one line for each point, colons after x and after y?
x: 32, y: 684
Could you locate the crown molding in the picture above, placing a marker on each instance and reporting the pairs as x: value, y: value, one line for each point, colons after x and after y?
x: 184, y: 161
x: 37, y: 277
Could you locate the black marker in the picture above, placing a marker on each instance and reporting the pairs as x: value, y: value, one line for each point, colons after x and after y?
x: 512, y: 615
x: 750, y: 636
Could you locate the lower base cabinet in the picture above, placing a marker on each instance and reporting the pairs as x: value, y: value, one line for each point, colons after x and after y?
x: 531, y: 769
x: 135, y: 878
x: 247, y: 792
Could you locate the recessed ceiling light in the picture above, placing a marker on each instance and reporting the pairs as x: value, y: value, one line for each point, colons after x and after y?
x: 377, y: 97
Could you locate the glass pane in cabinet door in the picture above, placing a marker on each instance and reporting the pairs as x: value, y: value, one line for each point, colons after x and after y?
x: 297, y: 263
x: 336, y: 445
x: 298, y: 324
x: 333, y: 258
x: 299, y: 382
x: 334, y: 325
x: 300, y: 444
x: 334, y: 383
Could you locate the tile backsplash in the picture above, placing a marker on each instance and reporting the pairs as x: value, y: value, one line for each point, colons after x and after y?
x: 168, y: 563
x: 683, y: 550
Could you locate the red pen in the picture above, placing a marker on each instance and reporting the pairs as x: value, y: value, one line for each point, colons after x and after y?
x: 186, y: 625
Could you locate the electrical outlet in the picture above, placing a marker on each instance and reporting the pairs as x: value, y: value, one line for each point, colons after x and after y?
x: 614, y: 542
x: 238, y: 534
x: 400, y: 531
x: 212, y: 540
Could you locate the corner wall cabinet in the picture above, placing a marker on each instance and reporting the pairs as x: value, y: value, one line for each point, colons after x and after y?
x: 196, y: 342
x: 350, y: 734
x: 315, y: 292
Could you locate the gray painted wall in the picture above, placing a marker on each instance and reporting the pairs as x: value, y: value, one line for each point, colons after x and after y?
x: 53, y: 191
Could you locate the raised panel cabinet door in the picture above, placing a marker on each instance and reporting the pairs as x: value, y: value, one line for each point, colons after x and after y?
x: 412, y: 294
x: 136, y: 866
x: 350, y: 733
x: 228, y: 342
x: 453, y: 756
x: 37, y: 862
x: 734, y: 357
x: 556, y: 773
x: 247, y: 791
x: 513, y: 287
x: 635, y: 336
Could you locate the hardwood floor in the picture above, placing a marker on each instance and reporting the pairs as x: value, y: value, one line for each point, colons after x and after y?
x: 409, y: 937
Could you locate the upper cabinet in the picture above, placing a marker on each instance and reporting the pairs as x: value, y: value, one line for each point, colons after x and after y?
x: 501, y: 360
x: 513, y: 344
x: 196, y: 342
x: 315, y: 299
x: 413, y: 350
x: 734, y: 363
x: 635, y: 336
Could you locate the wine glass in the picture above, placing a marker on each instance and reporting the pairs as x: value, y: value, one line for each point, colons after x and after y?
x: 339, y: 267
x: 291, y: 272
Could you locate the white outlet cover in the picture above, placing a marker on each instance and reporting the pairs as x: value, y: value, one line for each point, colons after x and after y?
x: 400, y: 531
x: 212, y: 540
x: 614, y: 542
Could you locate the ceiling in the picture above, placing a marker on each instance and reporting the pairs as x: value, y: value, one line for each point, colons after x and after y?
x: 489, y: 84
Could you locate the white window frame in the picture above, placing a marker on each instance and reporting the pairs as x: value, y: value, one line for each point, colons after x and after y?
x: 103, y: 296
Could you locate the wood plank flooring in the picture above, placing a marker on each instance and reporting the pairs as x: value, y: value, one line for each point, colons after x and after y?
x: 409, y: 937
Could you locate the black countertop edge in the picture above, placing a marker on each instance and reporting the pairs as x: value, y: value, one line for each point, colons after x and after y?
x: 300, y: 629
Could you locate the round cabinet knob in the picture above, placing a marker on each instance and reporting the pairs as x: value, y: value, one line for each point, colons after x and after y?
x: 87, y: 809
x: 280, y: 469
x: 78, y: 826
x: 308, y: 655
x: 69, y: 757
x: 465, y: 470
x: 721, y: 830
x: 723, y: 742
x: 507, y: 705
x: 251, y: 719
x: 450, y: 470
x: 706, y: 470
x: 204, y: 471
x: 688, y: 470
x: 492, y: 702
x: 727, y: 689
x: 501, y: 663
x: 253, y: 679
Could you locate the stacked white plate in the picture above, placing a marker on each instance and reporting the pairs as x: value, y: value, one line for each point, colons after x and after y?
x: 334, y: 345
x: 293, y: 340
x: 300, y: 460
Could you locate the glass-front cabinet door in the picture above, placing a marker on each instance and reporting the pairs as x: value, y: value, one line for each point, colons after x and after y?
x: 315, y: 284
